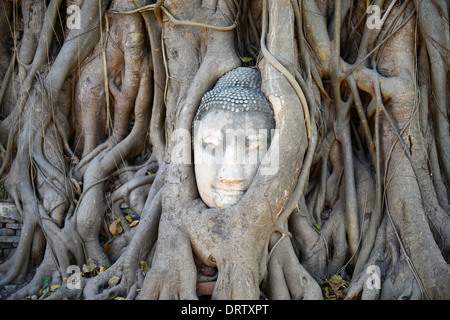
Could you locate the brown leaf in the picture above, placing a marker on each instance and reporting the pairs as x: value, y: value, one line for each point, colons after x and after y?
x: 144, y: 267
x: 134, y: 223
x: 112, y: 282
x: 90, y: 267
x: 116, y: 227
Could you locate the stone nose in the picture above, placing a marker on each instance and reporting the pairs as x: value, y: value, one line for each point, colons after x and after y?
x: 230, y: 173
x: 231, y: 170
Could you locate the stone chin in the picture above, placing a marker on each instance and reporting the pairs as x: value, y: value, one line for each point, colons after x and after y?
x: 225, y: 197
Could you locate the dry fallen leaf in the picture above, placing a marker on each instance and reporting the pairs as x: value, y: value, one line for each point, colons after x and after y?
x: 90, y: 267
x: 75, y: 160
x: 116, y: 227
x: 144, y: 267
x: 129, y: 219
x: 113, y: 282
x: 336, y: 279
x: 246, y: 59
x: 54, y: 287
x: 134, y: 223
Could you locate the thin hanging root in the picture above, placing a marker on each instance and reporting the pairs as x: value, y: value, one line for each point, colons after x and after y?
x: 277, y: 65
x: 62, y: 125
x: 101, y: 167
x: 125, y: 266
x: 375, y: 221
x: 39, y: 59
x: 91, y: 155
x: 343, y: 117
x: 354, y: 67
x: 7, y: 76
x: 8, y: 154
x: 157, y: 134
x: 208, y: 73
x: 306, y: 101
x: 197, y: 24
x: 149, y: 7
x: 158, y: 7
x: 123, y: 193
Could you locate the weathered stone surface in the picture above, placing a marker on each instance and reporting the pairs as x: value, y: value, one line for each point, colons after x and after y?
x: 8, y: 210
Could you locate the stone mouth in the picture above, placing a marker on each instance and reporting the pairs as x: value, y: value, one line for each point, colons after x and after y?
x: 228, y: 196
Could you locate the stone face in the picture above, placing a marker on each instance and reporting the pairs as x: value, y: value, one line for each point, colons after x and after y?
x: 231, y: 131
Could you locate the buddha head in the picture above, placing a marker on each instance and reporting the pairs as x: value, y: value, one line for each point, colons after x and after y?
x: 231, y: 133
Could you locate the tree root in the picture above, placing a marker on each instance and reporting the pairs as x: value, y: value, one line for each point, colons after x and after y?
x: 127, y: 266
x: 325, y: 217
x: 287, y: 278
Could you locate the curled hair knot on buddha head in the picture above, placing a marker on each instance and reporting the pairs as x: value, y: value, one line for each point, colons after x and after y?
x: 237, y: 91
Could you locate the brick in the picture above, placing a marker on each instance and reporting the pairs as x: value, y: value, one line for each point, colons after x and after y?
x: 9, y: 239
x: 14, y: 226
x: 7, y: 232
x: 4, y: 220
